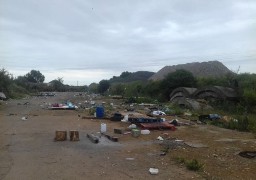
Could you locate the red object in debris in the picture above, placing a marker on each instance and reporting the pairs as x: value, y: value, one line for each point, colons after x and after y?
x: 160, y: 125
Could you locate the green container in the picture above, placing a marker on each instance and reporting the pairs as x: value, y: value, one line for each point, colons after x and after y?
x: 135, y: 132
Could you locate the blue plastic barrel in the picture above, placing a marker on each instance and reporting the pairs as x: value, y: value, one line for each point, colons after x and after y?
x: 99, y: 112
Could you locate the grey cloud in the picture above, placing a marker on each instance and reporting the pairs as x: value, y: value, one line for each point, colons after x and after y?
x: 130, y: 35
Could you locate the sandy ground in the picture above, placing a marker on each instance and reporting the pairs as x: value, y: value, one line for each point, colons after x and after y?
x: 28, y: 150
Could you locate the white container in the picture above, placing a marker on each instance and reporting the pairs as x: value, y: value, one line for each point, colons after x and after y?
x: 103, y: 128
x: 132, y: 126
x: 153, y: 171
x: 145, y: 131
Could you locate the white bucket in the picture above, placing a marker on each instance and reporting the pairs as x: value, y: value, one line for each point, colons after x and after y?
x: 103, y: 128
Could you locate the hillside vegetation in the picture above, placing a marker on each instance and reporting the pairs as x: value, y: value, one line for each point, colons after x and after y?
x: 127, y: 77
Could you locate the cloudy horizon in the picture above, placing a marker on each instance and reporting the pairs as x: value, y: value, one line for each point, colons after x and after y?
x: 87, y: 41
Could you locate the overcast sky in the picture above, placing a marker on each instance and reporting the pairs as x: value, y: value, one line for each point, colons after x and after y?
x: 91, y: 40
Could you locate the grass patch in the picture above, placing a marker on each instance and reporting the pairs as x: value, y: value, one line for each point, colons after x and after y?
x: 240, y: 123
x: 181, y: 160
x: 193, y: 165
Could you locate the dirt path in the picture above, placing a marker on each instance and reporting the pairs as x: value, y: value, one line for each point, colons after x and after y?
x: 28, y: 150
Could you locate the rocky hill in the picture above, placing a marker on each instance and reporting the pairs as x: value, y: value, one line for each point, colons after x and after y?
x: 203, y: 69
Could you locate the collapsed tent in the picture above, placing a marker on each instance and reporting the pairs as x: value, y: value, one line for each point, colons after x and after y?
x: 195, y: 98
x: 216, y: 92
x: 182, y: 93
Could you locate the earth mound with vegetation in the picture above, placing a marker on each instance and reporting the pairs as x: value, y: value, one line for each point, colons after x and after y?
x: 203, y: 69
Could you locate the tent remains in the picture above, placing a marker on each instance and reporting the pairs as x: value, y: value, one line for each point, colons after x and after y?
x: 216, y: 92
x: 192, y: 97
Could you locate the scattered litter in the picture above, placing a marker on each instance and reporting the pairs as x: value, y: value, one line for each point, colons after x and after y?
x: 158, y: 113
x: 153, y: 171
x: 187, y: 114
x: 24, y: 118
x: 166, y: 134
x: 162, y: 153
x: 175, y: 122
x: 248, y: 154
x: 212, y: 117
x: 227, y: 140
x: 146, y: 131
x: 160, y: 138
x: 103, y: 128
x: 135, y: 132
x: 100, y: 111
x: 118, y: 131
x: 173, y: 144
x: 160, y: 125
x: 117, y: 117
x: 145, y: 120
x: 26, y: 103
x: 60, y: 135
x: 74, y: 135
x: 112, y: 138
x: 132, y: 126
x: 126, y: 117
x: 12, y: 114
x: 93, y: 138
x: 66, y: 106
x: 178, y: 140
x: 196, y: 145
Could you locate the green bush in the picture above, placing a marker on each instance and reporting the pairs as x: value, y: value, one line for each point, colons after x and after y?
x: 180, y: 160
x: 92, y: 111
x: 17, y: 91
x: 193, y: 165
x: 252, y: 123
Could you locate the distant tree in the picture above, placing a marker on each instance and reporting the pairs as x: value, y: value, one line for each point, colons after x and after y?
x: 35, y: 76
x: 6, y: 80
x: 125, y: 74
x: 247, y: 90
x: 179, y: 78
x: 86, y: 88
x: 57, y: 85
x: 22, y: 81
x: 117, y: 89
x: 60, y: 79
x: 133, y: 89
x: 93, y: 88
x: 152, y: 89
x: 103, y: 86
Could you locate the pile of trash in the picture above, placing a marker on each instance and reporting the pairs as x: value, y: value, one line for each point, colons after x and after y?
x: 65, y: 106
